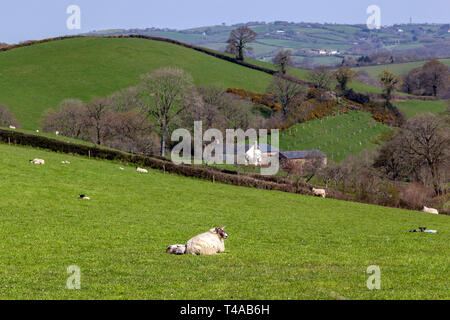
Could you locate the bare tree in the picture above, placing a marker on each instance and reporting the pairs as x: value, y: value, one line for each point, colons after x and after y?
x: 343, y: 76
x: 70, y: 120
x: 6, y: 118
x: 131, y: 131
x: 321, y: 79
x: 239, y: 40
x: 286, y: 90
x: 283, y: 59
x: 435, y: 75
x: 426, y: 140
x: 98, y: 116
x: 165, y: 93
x: 412, y: 83
x: 390, y: 82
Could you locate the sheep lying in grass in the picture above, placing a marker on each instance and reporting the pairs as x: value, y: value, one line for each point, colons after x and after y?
x: 37, y: 161
x: 319, y: 192
x: 141, y: 170
x: 12, y: 127
x: 208, y: 243
x: 83, y: 197
x: 424, y: 229
x: 430, y: 210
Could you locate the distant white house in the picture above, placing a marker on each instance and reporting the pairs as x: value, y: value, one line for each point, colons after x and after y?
x: 253, y: 156
x: 281, y: 31
x: 256, y: 154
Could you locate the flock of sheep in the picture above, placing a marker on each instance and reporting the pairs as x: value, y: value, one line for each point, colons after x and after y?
x: 212, y: 241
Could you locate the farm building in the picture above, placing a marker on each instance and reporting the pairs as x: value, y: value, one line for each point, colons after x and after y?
x: 303, y: 156
x: 253, y: 151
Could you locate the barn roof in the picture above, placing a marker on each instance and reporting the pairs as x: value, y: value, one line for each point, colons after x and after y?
x: 303, y: 154
x: 262, y: 146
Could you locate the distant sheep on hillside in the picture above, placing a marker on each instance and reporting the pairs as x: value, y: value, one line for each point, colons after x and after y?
x: 430, y: 210
x: 12, y: 127
x: 37, y: 161
x: 319, y: 192
x: 208, y: 243
x: 141, y: 170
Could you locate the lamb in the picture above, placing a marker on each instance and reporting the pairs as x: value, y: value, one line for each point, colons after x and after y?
x: 424, y: 229
x: 37, y: 161
x: 319, y: 192
x: 208, y: 243
x: 177, y: 249
x: 430, y: 210
x: 141, y: 170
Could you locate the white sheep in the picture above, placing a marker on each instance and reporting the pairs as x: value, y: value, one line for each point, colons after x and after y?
x: 37, y: 161
x: 12, y: 127
x: 319, y: 192
x: 208, y: 243
x: 141, y: 170
x: 430, y: 210
x: 57, y: 133
x: 83, y: 197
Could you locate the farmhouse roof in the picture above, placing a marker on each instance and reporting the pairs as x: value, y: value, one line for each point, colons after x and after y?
x: 303, y: 154
x: 265, y: 148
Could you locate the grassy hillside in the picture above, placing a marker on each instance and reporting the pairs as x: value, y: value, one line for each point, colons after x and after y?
x: 337, y: 136
x: 413, y: 107
x: 280, y: 246
x: 35, y: 78
x: 397, y: 68
x: 303, y: 38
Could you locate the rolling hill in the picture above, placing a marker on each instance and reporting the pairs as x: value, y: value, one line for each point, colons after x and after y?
x: 280, y: 246
x: 305, y: 39
x: 38, y: 77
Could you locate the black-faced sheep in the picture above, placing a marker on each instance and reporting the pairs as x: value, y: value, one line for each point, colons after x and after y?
x: 208, y: 243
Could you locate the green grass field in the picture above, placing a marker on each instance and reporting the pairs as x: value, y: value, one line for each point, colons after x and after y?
x: 414, y: 107
x: 336, y: 136
x: 280, y: 246
x: 35, y: 78
x: 397, y: 68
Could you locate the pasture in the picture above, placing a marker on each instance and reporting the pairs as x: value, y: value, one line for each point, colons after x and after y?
x: 336, y: 136
x: 280, y: 246
x: 414, y: 107
x: 397, y: 68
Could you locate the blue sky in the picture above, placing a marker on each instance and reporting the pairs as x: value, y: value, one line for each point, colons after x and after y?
x: 35, y: 19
